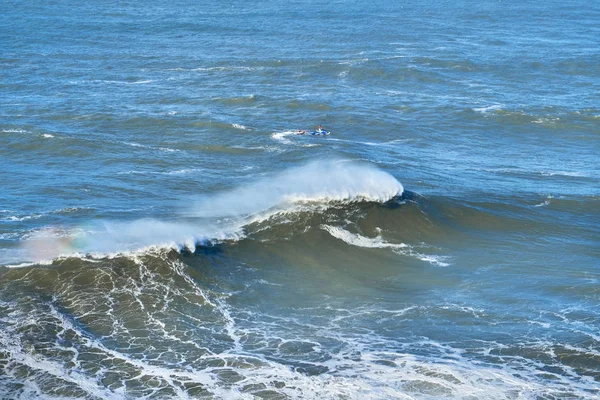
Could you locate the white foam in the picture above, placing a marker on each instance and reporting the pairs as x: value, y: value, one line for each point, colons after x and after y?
x: 134, y: 144
x: 116, y: 82
x: 285, y: 137
x: 391, y: 143
x: 14, y: 131
x: 361, y: 241
x: 487, y: 109
x: 266, y: 148
x: 433, y: 259
x: 378, y: 242
x: 184, y: 171
x: 210, y: 69
x: 168, y: 149
x: 23, y: 218
x: 545, y: 202
x: 29, y: 264
x: 574, y: 174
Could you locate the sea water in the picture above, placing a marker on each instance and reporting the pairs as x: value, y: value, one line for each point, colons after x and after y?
x: 166, y: 233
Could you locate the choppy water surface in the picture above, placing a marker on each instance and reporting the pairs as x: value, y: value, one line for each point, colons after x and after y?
x: 165, y: 233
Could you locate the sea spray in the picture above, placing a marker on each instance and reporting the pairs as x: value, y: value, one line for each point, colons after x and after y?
x: 316, y: 182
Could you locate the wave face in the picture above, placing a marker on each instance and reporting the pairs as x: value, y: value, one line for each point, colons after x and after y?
x: 327, y: 295
x: 173, y: 327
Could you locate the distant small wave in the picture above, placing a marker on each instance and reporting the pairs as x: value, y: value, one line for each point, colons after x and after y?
x: 213, y: 69
x: 14, y: 131
x: 114, y: 82
x: 134, y: 144
x: 487, y: 109
x: 11, y: 217
x: 523, y: 171
x: 554, y: 117
x: 564, y: 173
x: 22, y: 218
x: 184, y: 171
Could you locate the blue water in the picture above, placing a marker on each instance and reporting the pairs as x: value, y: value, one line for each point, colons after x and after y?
x: 165, y: 232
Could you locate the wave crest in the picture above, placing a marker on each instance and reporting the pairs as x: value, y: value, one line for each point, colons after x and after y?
x: 223, y: 217
x: 317, y: 182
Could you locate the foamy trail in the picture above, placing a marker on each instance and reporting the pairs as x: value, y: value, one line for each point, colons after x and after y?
x: 285, y: 137
x: 282, y: 136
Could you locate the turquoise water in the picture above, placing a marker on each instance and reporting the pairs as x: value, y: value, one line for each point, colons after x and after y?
x: 166, y: 233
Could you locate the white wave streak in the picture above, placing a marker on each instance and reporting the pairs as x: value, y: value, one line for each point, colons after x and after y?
x: 545, y: 202
x: 378, y: 242
x: 487, y: 109
x: 14, y: 131
x: 285, y: 138
x: 362, y: 241
x: 282, y: 136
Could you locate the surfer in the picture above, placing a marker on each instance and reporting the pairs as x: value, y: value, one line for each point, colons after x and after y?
x: 320, y: 131
x: 300, y: 132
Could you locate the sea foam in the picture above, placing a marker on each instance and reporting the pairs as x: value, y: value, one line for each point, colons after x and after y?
x: 354, y: 239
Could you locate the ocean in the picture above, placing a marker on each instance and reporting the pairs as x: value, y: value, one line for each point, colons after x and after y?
x: 166, y: 233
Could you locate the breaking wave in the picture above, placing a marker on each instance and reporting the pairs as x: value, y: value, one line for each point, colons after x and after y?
x: 222, y: 217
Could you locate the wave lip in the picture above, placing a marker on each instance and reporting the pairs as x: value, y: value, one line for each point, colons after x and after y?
x: 317, y: 182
